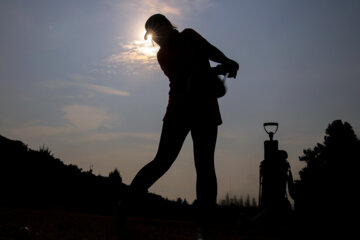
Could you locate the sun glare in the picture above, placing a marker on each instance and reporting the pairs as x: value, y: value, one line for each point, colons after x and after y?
x: 149, y: 37
x: 147, y: 47
x: 139, y: 51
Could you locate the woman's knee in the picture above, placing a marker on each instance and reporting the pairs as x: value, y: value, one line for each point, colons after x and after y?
x: 162, y: 163
x: 205, y: 166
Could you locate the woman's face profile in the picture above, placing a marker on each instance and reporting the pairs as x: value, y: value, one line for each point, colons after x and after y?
x: 161, y: 34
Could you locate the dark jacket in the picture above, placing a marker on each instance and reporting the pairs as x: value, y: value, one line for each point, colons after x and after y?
x: 185, y: 61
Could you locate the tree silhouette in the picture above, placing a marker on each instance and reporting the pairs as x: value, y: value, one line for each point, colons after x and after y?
x: 115, y: 177
x: 325, y: 193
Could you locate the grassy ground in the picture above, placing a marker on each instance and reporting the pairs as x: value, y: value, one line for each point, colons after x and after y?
x: 53, y: 225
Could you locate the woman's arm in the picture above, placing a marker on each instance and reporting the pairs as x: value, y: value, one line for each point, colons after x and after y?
x: 213, y: 53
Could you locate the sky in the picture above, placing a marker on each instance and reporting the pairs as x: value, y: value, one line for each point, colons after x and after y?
x: 77, y: 77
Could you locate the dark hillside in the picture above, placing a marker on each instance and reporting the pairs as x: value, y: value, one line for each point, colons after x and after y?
x: 36, y: 179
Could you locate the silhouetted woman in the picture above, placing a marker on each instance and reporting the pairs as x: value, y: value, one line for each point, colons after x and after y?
x: 184, y: 58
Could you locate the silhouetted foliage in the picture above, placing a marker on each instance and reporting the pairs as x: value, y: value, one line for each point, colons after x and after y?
x: 325, y: 193
x: 38, y: 180
x: 46, y: 151
x: 115, y: 177
x: 238, y: 202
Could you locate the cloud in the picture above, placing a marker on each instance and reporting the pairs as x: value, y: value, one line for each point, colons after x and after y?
x: 111, y: 136
x: 165, y: 7
x: 107, y: 90
x: 81, y: 81
x: 134, y: 57
x: 170, y: 10
x: 137, y: 55
x: 154, y: 6
x: 85, y: 118
x: 79, y: 119
x: 170, y: 7
x: 82, y: 123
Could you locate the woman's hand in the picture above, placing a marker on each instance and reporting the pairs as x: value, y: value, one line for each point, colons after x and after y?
x: 231, y: 67
x: 219, y: 70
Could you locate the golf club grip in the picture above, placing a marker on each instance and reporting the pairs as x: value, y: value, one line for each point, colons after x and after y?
x: 271, y: 124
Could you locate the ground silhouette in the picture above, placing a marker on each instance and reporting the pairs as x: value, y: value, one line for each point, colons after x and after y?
x: 36, y: 179
x: 325, y: 195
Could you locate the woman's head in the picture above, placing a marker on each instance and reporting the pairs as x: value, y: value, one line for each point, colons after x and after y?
x: 159, y: 27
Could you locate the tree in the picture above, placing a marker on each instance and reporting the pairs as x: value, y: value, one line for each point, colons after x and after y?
x: 247, y: 201
x: 115, y: 177
x: 328, y: 182
x: 253, y: 202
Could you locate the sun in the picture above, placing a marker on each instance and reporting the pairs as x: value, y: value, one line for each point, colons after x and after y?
x: 139, y: 51
x: 149, y: 37
x: 147, y: 48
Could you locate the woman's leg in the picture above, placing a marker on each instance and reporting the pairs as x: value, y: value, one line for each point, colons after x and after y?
x: 204, y: 139
x: 171, y: 141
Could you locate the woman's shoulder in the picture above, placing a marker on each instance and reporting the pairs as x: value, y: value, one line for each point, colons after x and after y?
x: 193, y: 36
x: 189, y: 32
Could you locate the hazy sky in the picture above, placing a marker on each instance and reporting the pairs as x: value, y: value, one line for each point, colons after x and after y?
x: 77, y: 77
